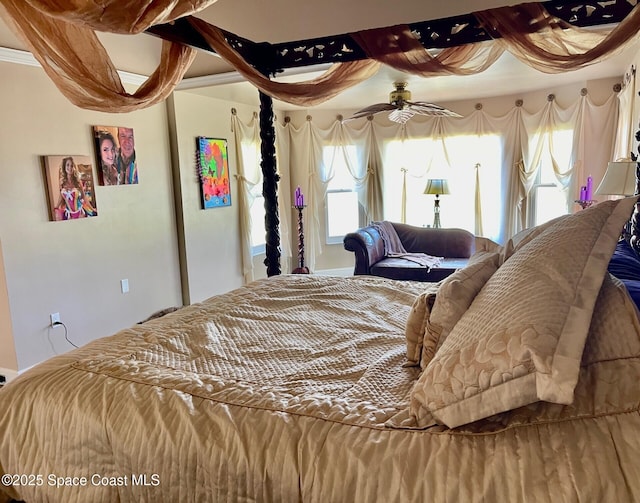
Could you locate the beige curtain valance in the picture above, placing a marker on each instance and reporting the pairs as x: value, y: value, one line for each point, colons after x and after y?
x: 60, y: 34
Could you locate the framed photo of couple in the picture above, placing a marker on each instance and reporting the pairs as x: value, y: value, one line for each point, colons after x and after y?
x: 115, y: 155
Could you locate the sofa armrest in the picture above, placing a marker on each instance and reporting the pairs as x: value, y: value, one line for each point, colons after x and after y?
x: 368, y: 246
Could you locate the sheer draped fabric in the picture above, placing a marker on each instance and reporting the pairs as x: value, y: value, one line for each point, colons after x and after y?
x: 248, y: 177
x: 626, y: 119
x: 308, y: 142
x: 61, y: 36
x: 117, y: 16
x: 336, y: 79
x: 60, y: 33
x: 399, y: 48
x: 555, y: 46
x: 525, y: 136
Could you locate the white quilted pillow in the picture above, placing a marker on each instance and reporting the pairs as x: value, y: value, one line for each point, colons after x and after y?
x: 523, y: 336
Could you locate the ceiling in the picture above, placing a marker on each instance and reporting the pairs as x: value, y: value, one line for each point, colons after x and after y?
x: 289, y: 20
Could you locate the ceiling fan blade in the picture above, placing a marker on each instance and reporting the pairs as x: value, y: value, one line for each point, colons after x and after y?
x: 401, y: 115
x: 373, y: 109
x: 424, y: 108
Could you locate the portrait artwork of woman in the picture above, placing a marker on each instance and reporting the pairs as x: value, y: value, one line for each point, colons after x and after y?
x: 73, y: 202
x: 106, y: 145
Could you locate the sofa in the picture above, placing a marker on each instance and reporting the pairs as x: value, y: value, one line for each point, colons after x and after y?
x: 455, y: 246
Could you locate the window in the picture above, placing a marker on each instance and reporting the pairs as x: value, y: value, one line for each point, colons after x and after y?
x: 342, y: 208
x: 251, y: 160
x: 547, y: 198
x: 454, y: 158
x: 258, y: 232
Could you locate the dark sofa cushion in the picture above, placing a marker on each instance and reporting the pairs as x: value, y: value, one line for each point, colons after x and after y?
x: 399, y: 268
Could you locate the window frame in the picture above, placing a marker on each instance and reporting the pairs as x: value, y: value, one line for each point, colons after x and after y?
x: 338, y: 239
x: 533, y: 196
x: 261, y: 248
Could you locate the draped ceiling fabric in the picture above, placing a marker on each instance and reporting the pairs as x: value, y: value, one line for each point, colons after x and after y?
x: 248, y: 177
x: 60, y: 35
x: 555, y: 46
x: 336, y: 79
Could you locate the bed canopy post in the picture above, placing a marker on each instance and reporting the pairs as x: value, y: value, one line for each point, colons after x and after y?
x: 270, y: 179
x: 635, y: 218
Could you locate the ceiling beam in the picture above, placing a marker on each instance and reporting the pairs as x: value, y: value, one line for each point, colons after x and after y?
x: 434, y: 34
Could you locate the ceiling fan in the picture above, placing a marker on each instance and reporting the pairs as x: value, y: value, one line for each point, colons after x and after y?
x: 401, y: 108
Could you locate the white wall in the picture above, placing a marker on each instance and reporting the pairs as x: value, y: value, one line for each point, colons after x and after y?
x: 75, y: 267
x: 212, y: 239
x: 141, y: 232
x: 8, y: 354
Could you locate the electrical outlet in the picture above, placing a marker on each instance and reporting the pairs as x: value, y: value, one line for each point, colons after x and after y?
x: 55, y: 318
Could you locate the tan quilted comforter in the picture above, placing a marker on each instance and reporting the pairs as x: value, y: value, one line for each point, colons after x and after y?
x: 283, y: 391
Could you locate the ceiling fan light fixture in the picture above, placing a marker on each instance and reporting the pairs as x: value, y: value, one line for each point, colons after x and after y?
x: 400, y: 107
x: 400, y: 95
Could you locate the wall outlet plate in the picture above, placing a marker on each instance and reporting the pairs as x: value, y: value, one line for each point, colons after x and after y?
x: 55, y: 318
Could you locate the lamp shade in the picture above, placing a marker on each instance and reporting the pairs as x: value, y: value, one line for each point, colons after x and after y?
x: 619, y: 179
x: 437, y: 186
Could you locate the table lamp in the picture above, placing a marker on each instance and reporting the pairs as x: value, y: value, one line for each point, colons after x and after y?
x: 437, y: 186
x: 619, y: 180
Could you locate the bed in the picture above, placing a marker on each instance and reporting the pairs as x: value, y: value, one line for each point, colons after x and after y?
x: 316, y: 388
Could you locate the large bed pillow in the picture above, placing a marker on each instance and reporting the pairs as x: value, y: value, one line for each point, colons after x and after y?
x: 455, y: 295
x: 524, y: 236
x: 523, y: 336
x: 416, y: 322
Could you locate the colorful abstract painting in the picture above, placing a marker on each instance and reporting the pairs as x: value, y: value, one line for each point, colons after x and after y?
x: 213, y: 170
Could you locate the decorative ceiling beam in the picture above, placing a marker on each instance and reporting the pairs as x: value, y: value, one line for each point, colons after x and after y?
x: 181, y: 31
x: 434, y: 34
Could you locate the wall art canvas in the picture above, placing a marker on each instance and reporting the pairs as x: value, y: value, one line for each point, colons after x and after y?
x: 70, y: 186
x: 213, y: 170
x: 115, y: 155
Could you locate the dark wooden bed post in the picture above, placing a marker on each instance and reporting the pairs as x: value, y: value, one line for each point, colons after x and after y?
x: 270, y: 181
x: 635, y: 218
